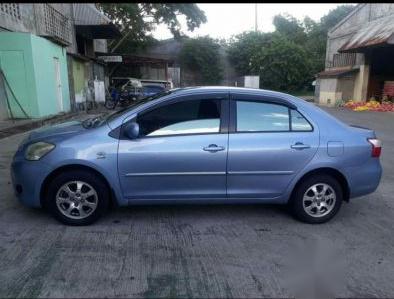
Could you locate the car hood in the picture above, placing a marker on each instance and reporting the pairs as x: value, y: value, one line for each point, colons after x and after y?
x: 62, y: 129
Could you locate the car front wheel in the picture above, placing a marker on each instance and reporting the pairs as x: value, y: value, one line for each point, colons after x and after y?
x: 77, y: 197
x: 317, y: 199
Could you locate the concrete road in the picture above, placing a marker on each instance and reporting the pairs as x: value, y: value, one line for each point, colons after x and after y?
x: 203, y: 251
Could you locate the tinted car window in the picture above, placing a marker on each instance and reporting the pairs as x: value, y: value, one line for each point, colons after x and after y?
x: 258, y: 116
x: 298, y: 122
x: 185, y: 117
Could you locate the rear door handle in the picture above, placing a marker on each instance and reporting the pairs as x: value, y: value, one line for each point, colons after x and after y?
x: 300, y: 146
x: 213, y: 148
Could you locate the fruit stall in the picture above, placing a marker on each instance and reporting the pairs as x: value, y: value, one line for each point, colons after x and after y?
x: 372, y: 105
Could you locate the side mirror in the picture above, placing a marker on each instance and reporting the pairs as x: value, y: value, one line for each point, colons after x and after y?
x: 132, y: 130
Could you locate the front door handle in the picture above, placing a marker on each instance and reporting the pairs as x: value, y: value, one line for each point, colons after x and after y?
x: 213, y: 148
x: 300, y: 146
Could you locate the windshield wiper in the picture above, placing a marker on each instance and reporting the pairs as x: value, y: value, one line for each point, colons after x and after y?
x: 92, y: 122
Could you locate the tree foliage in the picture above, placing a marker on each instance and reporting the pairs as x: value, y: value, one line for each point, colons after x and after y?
x: 202, y: 55
x: 317, y: 34
x: 282, y: 64
x: 290, y: 27
x: 137, y: 20
x: 243, y: 47
x: 288, y: 58
x: 335, y: 15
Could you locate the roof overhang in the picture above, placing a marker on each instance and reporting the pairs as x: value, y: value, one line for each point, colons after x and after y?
x: 79, y: 56
x: 102, y: 31
x: 377, y: 33
x: 130, y: 59
x: 84, y: 58
x: 337, y: 72
x: 57, y: 40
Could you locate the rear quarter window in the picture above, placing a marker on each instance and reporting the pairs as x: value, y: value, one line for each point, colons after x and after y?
x: 298, y: 122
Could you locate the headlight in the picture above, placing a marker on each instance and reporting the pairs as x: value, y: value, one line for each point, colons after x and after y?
x: 38, y: 150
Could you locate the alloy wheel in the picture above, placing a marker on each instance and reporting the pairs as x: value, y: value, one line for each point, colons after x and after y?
x: 76, y: 199
x: 319, y: 200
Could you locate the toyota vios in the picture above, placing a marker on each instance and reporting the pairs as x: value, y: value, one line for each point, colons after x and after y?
x: 199, y: 145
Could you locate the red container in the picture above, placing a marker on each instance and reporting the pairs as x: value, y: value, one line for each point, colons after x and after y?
x: 388, y: 88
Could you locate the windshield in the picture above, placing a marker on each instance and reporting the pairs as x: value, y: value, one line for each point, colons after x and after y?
x: 97, y: 121
x: 134, y: 104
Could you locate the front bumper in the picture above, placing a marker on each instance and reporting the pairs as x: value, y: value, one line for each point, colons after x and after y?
x: 27, y: 178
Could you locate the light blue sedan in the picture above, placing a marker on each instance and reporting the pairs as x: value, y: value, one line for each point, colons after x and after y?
x: 199, y: 145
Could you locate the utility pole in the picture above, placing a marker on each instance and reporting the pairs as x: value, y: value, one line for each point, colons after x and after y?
x: 255, y: 17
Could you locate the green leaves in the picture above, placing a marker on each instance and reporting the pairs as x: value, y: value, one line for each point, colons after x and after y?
x: 281, y: 64
x: 137, y: 20
x: 202, y: 56
x: 288, y: 58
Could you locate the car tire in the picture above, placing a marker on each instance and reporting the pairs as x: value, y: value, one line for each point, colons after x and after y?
x: 73, y: 206
x: 317, y: 199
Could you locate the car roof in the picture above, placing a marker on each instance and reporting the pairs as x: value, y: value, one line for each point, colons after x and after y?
x: 231, y: 89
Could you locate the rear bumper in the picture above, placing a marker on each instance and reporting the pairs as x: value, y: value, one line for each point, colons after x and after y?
x: 27, y: 178
x: 364, y: 179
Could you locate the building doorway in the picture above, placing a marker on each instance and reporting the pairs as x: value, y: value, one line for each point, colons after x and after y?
x: 381, y: 79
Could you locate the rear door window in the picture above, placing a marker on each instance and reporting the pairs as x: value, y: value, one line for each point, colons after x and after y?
x: 261, y: 117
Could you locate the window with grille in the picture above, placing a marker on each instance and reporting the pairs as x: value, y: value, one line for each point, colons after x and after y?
x: 55, y: 23
x: 344, y: 59
x: 11, y: 9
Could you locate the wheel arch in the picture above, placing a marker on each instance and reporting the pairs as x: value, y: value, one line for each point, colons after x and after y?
x: 70, y: 167
x: 328, y: 171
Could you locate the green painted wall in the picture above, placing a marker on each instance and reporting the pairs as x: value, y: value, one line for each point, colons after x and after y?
x: 28, y: 62
x: 16, y: 62
x: 79, y: 76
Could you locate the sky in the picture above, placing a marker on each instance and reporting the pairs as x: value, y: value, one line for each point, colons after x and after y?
x: 225, y: 20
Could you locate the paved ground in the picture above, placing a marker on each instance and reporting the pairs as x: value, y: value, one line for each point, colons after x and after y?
x: 202, y: 251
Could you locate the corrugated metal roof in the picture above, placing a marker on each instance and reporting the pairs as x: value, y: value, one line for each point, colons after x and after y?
x: 88, y: 14
x: 371, y: 34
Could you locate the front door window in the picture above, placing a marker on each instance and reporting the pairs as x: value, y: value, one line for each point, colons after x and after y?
x: 185, y: 117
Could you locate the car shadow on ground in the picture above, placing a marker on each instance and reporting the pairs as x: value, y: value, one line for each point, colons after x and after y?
x: 210, y: 212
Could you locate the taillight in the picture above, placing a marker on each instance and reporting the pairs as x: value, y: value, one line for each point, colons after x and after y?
x: 376, y: 147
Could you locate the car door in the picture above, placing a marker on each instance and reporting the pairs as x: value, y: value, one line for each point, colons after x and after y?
x: 269, y: 142
x: 181, y: 152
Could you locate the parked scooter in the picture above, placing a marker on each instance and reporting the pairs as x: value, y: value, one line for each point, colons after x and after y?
x: 130, y: 90
x: 116, y: 97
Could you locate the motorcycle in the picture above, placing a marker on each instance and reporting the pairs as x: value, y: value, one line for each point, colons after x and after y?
x: 123, y: 98
x: 117, y: 98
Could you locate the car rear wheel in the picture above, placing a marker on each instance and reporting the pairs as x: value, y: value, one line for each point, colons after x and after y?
x: 77, y: 197
x: 317, y: 199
